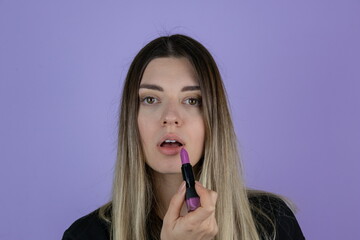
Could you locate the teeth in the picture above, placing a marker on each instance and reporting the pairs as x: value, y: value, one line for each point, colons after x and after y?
x: 170, y: 141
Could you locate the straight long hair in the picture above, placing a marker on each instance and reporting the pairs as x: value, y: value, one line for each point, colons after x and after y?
x: 132, y: 204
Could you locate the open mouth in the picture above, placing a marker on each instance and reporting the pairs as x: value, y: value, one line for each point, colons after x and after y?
x: 171, y: 144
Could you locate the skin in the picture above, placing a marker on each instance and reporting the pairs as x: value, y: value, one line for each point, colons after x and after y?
x: 170, y: 109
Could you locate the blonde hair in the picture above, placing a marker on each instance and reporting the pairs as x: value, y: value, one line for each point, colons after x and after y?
x: 132, y: 204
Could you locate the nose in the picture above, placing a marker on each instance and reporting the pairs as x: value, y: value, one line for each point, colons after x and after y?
x: 171, y: 117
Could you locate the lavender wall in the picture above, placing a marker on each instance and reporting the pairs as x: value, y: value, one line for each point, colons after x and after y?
x: 291, y: 68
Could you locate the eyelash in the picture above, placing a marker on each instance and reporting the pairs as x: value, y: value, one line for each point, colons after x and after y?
x: 143, y: 100
x: 198, y: 99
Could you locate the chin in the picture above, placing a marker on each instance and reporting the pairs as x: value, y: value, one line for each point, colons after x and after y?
x: 165, y: 169
x: 170, y: 172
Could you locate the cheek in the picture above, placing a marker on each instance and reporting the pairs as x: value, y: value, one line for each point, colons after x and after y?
x: 146, y: 129
x: 142, y: 128
x: 201, y: 125
x: 199, y: 131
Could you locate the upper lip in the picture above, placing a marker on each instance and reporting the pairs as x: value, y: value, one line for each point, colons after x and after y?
x: 171, y: 136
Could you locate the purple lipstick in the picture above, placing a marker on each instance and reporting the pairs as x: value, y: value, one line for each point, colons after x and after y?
x: 191, y: 197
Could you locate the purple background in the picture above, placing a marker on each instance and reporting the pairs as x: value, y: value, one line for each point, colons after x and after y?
x: 291, y: 69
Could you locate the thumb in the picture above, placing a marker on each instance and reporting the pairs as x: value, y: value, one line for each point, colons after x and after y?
x: 175, y: 205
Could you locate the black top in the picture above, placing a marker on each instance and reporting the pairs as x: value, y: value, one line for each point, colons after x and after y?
x: 91, y: 227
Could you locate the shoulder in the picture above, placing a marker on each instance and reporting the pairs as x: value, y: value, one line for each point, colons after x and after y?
x: 88, y: 227
x: 272, y: 213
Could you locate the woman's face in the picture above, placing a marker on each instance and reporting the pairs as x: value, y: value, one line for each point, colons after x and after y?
x: 170, y: 109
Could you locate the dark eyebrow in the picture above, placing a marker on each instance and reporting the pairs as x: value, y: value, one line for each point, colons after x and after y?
x: 190, y: 88
x: 158, y: 88
x: 151, y: 86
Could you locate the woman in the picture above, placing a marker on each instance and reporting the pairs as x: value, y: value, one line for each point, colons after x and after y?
x: 173, y: 91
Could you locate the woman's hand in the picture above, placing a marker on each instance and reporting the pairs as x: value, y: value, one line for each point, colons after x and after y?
x: 196, y: 225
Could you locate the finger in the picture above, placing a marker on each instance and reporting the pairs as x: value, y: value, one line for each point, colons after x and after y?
x: 208, y: 198
x: 208, y: 201
x: 175, y: 205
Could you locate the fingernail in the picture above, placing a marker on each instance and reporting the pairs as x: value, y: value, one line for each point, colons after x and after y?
x: 199, y: 184
x: 182, y: 187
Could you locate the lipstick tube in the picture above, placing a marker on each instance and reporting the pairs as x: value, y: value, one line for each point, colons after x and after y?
x: 191, y: 197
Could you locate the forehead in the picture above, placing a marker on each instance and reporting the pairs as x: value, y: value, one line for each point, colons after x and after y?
x: 169, y: 70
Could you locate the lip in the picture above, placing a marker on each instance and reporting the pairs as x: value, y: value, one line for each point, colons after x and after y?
x: 170, y: 150
x: 172, y: 137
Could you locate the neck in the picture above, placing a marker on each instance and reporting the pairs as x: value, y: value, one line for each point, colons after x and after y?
x: 165, y: 186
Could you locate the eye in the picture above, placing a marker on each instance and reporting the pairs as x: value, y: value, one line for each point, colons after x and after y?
x: 148, y: 100
x: 193, y: 101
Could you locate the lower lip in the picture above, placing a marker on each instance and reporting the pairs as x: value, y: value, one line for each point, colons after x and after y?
x: 170, y: 150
